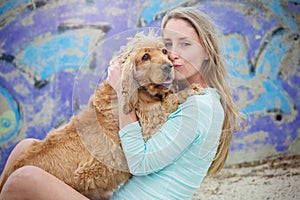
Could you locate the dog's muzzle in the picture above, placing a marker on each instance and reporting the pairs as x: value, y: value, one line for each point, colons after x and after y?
x: 167, y: 67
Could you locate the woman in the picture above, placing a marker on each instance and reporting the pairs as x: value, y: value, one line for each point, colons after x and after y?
x: 193, y: 143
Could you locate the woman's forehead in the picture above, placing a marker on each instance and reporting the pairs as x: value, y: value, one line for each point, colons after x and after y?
x: 179, y: 29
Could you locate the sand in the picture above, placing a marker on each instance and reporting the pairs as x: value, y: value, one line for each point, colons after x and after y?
x: 277, y: 178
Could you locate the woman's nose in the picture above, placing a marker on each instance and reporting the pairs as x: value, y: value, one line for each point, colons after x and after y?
x: 173, y: 55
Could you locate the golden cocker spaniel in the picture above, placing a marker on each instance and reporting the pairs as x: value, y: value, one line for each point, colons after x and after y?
x: 86, y: 153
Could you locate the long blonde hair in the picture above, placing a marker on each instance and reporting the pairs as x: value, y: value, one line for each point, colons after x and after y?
x: 214, y: 74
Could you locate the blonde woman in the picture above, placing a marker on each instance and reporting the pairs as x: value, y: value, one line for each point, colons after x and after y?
x: 193, y: 143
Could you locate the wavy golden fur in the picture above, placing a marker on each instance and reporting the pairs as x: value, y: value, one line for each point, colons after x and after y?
x: 86, y: 153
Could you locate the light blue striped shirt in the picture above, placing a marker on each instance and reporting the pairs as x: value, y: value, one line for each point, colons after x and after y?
x: 173, y: 162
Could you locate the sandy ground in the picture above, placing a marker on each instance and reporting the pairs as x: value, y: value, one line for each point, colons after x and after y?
x: 272, y: 179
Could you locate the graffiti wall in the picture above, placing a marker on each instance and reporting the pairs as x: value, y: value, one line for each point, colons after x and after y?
x: 54, y: 52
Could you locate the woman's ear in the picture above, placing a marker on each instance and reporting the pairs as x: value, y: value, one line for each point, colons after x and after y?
x: 129, y: 87
x: 206, y: 56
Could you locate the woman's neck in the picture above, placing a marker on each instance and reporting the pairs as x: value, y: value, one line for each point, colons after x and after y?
x: 184, y: 83
x: 197, y: 78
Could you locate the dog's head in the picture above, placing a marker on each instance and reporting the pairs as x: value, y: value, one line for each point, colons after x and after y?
x: 145, y: 65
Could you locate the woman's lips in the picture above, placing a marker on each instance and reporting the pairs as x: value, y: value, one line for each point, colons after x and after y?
x: 176, y: 65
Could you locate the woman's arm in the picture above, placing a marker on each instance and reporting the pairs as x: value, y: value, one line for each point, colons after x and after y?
x: 181, y: 129
x: 193, y: 118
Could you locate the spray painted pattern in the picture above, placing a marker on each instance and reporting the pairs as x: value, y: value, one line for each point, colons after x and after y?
x: 45, y: 44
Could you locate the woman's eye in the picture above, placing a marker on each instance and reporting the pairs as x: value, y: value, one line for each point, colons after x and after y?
x: 164, y: 51
x: 145, y: 57
x: 168, y: 44
x: 185, y: 44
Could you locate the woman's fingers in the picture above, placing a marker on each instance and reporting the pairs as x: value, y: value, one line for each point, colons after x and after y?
x: 114, y: 74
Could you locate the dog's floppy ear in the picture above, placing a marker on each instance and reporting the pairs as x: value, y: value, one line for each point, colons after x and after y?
x: 129, y: 86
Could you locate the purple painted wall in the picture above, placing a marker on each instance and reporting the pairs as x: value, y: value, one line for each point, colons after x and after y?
x: 53, y: 53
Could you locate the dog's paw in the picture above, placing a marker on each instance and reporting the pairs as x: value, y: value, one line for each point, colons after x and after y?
x: 197, y: 88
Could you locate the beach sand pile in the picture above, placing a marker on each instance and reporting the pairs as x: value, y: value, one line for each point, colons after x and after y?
x: 276, y: 178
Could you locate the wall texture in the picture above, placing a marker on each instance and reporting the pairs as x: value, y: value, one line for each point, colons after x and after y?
x: 54, y: 52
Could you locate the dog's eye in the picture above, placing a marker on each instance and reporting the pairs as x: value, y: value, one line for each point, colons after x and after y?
x: 145, y: 57
x: 164, y: 51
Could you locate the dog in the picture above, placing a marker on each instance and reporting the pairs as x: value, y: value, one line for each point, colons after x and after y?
x: 86, y: 153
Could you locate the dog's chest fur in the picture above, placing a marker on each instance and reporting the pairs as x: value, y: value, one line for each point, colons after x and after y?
x: 151, y: 114
x: 154, y: 111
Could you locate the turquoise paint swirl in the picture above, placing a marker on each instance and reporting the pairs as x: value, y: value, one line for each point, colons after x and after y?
x: 9, y: 117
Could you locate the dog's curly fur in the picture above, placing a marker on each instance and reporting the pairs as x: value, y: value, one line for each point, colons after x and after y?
x: 86, y: 153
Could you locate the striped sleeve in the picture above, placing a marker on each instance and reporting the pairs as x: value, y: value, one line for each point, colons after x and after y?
x: 192, y: 118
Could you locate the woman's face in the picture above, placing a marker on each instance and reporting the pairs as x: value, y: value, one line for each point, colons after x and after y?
x: 185, y: 49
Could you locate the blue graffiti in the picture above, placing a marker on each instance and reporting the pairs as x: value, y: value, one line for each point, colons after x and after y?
x: 235, y: 57
x: 11, y: 4
x: 9, y: 118
x: 58, y: 53
x: 154, y: 7
x: 268, y: 69
x: 276, y: 7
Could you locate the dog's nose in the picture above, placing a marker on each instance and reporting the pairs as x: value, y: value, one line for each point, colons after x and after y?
x: 166, y: 67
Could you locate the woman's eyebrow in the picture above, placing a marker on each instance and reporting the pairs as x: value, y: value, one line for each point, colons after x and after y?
x: 181, y: 38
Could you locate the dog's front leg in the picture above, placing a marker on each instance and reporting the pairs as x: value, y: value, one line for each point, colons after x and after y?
x: 173, y: 100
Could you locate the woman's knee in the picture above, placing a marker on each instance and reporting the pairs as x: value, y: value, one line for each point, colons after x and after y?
x: 25, y: 144
x: 23, y: 179
x: 22, y: 146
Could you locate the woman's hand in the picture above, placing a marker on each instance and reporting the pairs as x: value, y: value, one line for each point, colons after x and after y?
x: 113, y: 78
x: 114, y: 74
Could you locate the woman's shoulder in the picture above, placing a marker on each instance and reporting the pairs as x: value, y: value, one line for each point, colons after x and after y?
x: 199, y: 103
x: 204, y: 102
